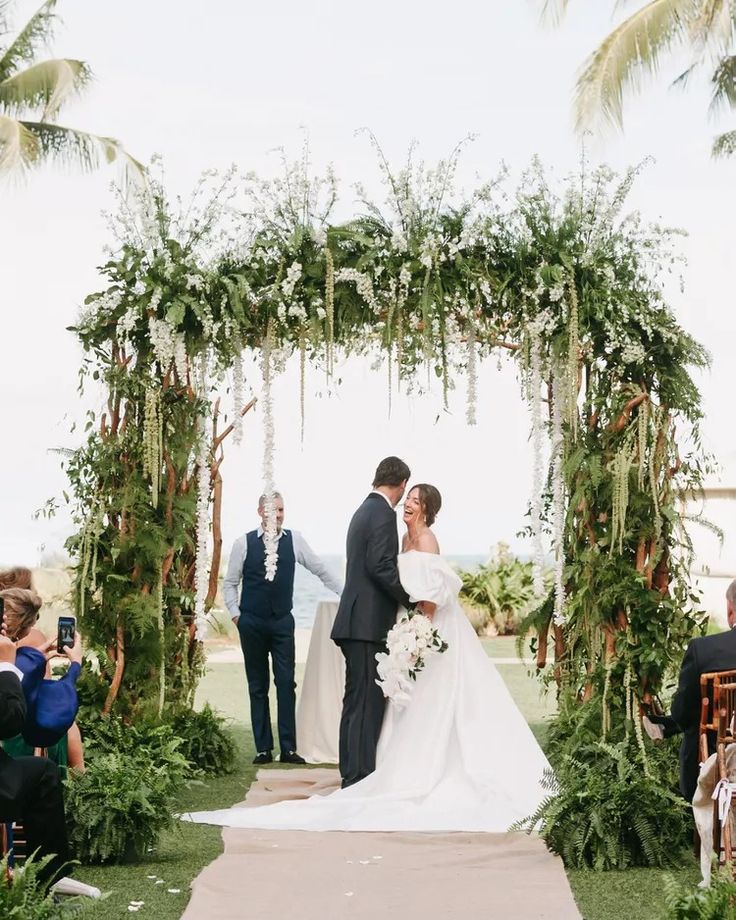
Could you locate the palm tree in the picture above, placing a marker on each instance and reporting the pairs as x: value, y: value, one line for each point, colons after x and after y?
x: 31, y: 88
x: 635, y: 48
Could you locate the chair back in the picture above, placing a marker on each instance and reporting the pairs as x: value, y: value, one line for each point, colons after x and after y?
x: 717, y: 709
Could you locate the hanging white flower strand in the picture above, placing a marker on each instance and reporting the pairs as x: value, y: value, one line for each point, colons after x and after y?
x: 238, y: 394
x: 558, y: 495
x: 535, y: 399
x: 270, y: 534
x: 472, y: 394
x: 201, y: 571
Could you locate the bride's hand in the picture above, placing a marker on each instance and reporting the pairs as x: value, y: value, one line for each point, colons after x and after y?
x: 427, y: 608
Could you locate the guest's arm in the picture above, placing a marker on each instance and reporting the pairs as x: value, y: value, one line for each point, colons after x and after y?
x: 307, y: 557
x: 381, y: 564
x: 231, y: 582
x: 686, y: 702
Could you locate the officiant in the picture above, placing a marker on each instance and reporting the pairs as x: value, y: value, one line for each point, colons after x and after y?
x: 262, y: 611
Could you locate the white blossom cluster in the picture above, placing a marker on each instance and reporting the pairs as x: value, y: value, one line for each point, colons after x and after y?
x: 238, y: 394
x: 201, y: 570
x: 270, y: 536
x: 409, y: 644
x: 558, y: 496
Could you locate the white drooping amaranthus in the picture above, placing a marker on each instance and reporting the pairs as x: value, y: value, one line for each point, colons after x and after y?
x: 470, y: 412
x: 238, y: 394
x: 535, y: 399
x: 558, y: 495
x: 363, y: 285
x: 201, y: 571
x: 270, y: 536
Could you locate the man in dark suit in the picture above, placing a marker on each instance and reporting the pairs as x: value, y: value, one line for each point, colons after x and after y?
x: 30, y: 787
x: 367, y: 611
x: 704, y: 655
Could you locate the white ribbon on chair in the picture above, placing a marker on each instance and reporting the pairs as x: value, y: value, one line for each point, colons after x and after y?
x: 724, y: 793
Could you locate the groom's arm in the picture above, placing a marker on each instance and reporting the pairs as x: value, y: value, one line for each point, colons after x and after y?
x: 380, y: 561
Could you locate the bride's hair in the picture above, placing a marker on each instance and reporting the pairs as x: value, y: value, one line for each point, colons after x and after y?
x: 430, y: 500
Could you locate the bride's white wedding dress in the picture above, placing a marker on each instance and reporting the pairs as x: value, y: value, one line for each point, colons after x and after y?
x: 459, y: 757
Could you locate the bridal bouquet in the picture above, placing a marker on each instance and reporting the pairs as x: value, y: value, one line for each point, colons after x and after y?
x: 409, y: 644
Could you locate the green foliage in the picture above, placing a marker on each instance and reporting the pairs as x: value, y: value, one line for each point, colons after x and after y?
x: 715, y: 903
x: 502, y: 591
x: 605, y: 813
x: 205, y: 741
x: 26, y: 898
x: 124, y: 800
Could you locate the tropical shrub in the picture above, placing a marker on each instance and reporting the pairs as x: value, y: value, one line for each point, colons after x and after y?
x: 715, y: 903
x: 205, y: 741
x: 608, y: 809
x: 123, y: 801
x: 498, y: 595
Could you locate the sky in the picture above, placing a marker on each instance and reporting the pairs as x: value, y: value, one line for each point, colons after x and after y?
x: 207, y: 86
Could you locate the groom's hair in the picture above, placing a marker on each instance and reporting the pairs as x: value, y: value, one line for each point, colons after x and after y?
x: 391, y: 472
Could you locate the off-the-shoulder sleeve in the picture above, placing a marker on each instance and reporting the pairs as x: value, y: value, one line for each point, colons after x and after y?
x: 427, y: 577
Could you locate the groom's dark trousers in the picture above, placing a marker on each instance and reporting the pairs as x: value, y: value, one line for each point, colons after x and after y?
x: 367, y: 611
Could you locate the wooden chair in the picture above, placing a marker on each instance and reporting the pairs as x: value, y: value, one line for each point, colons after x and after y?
x: 718, y: 724
x: 6, y: 845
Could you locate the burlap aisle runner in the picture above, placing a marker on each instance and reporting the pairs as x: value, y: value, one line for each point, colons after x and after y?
x: 321, y: 876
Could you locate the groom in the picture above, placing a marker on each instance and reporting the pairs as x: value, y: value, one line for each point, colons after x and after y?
x: 367, y: 611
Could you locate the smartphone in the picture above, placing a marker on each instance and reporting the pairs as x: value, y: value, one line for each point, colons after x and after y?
x: 65, y: 633
x: 2, y: 611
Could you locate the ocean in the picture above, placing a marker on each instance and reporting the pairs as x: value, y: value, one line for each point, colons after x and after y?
x: 309, y: 590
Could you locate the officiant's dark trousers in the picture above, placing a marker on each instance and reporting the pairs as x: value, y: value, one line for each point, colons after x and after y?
x: 362, y: 711
x: 261, y: 637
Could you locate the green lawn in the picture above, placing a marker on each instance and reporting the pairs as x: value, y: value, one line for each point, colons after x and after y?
x: 183, y: 852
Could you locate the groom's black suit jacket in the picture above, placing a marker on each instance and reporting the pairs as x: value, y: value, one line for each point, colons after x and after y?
x: 373, y: 591
x: 704, y: 655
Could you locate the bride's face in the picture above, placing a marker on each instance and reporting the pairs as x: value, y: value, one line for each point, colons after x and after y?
x: 413, y: 513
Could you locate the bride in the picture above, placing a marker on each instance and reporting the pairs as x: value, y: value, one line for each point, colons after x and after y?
x: 459, y: 757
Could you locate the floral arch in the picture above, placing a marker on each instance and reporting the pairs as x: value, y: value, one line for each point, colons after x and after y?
x: 573, y: 290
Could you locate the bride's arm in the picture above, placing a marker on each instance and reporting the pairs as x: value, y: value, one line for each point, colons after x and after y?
x: 427, y: 543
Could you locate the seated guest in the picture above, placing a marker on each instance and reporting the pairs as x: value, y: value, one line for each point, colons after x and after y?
x: 52, y: 705
x: 17, y: 577
x: 703, y: 656
x: 22, y: 608
x: 30, y: 787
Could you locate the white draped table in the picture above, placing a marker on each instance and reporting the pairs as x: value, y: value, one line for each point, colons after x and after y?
x: 320, y: 703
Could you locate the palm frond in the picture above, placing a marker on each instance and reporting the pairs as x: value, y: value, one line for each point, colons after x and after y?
x: 723, y: 82
x: 683, y: 80
x: 711, y: 27
x: 633, y: 49
x: 77, y: 148
x: 36, y: 33
x: 724, y: 145
x: 554, y: 10
x: 4, y: 16
x: 48, y: 84
x: 17, y: 145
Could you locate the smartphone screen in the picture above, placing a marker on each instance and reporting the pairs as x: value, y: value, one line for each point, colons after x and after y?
x: 65, y: 634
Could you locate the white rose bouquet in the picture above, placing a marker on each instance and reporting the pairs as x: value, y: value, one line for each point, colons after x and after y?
x: 411, y: 641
